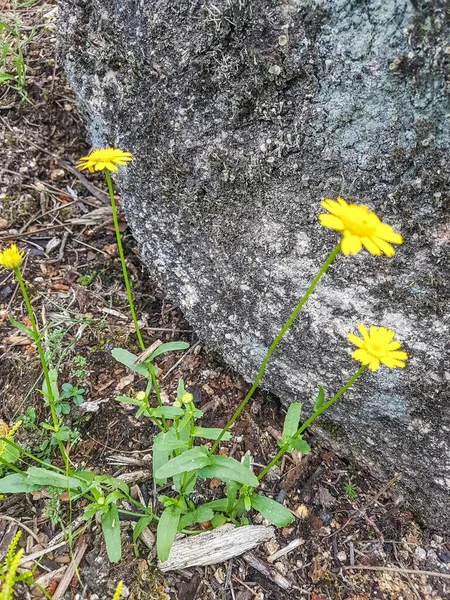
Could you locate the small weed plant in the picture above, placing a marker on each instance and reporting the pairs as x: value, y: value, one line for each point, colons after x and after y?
x: 184, y: 452
x: 14, y: 39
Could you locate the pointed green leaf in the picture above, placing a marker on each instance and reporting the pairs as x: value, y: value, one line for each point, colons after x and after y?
x: 170, y: 347
x: 228, y: 469
x: 300, y: 445
x: 45, y: 477
x: 191, y: 460
x: 320, y: 399
x: 292, y: 420
x: 166, y: 531
x: 16, y: 484
x: 273, y: 511
x: 111, y: 533
x: 211, y: 433
x: 21, y: 327
x: 129, y: 360
x: 199, y: 515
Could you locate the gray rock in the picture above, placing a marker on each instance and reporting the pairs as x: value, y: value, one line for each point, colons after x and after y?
x: 237, y: 136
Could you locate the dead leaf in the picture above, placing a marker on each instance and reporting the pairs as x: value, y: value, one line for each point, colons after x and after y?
x: 125, y: 381
x: 325, y: 498
x: 17, y: 340
x: 317, y: 570
x: 60, y: 287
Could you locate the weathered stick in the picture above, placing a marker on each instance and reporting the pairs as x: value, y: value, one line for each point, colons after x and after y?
x: 215, y: 546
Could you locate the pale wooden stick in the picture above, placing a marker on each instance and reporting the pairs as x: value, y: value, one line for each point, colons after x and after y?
x: 400, y: 570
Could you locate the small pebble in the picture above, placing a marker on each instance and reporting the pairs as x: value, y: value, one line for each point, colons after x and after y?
x: 420, y: 553
x: 342, y: 556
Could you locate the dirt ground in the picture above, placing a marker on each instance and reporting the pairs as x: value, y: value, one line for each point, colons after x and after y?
x: 353, y: 538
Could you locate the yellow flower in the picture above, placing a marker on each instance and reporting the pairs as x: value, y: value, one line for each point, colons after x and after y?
x: 187, y: 398
x: 11, y: 258
x: 177, y: 404
x: 377, y: 347
x: 140, y: 396
x: 105, y: 158
x: 7, y: 434
x: 118, y: 591
x: 359, y: 227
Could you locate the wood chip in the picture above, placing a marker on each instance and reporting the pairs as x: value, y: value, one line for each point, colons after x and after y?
x: 268, y: 571
x: 279, y: 553
x: 215, y: 546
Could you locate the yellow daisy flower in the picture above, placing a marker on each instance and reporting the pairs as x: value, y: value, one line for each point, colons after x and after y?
x: 7, y: 433
x: 377, y: 347
x: 359, y: 227
x: 105, y: 158
x: 11, y: 258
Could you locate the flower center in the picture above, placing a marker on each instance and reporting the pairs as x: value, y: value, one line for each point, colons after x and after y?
x: 358, y: 222
x: 375, y: 350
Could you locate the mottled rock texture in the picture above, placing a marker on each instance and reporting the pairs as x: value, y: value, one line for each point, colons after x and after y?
x: 242, y: 115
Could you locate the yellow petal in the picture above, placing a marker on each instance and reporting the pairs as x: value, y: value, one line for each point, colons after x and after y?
x: 384, y: 246
x: 355, y: 340
x: 370, y: 246
x: 398, y: 355
x: 374, y: 364
x: 394, y: 346
x: 331, y: 206
x: 331, y: 221
x: 363, y: 331
x: 350, y: 244
x: 362, y: 356
x: 387, y: 233
x: 111, y: 166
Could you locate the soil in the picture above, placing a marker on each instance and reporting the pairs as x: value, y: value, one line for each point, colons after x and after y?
x: 343, y: 517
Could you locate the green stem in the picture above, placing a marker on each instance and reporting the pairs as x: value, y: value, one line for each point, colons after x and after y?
x: 37, y: 339
x: 147, y: 393
x: 312, y: 418
x: 158, y: 394
x: 122, y: 259
x: 275, y: 343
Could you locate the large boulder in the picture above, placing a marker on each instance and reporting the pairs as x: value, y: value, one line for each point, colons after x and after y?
x: 242, y: 115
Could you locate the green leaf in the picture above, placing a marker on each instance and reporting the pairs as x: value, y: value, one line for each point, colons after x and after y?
x: 20, y: 326
x: 16, y: 484
x: 129, y: 360
x: 180, y: 389
x: 300, y: 445
x: 170, y: 347
x: 44, y: 477
x: 211, y: 433
x: 274, y: 512
x: 218, y: 520
x: 199, y: 515
x: 320, y: 399
x: 191, y: 460
x: 228, y: 469
x: 140, y: 526
x: 8, y: 452
x: 111, y: 533
x: 53, y: 377
x: 168, y: 441
x: 292, y: 420
x: 170, y: 412
x: 220, y: 504
x: 166, y: 531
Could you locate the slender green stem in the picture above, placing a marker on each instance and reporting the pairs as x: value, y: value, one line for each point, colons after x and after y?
x: 147, y: 393
x: 11, y: 466
x: 122, y: 259
x: 37, y: 339
x: 312, y: 418
x: 275, y: 343
x: 158, y: 394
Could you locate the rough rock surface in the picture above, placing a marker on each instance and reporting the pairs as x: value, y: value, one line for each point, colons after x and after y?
x: 242, y: 115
